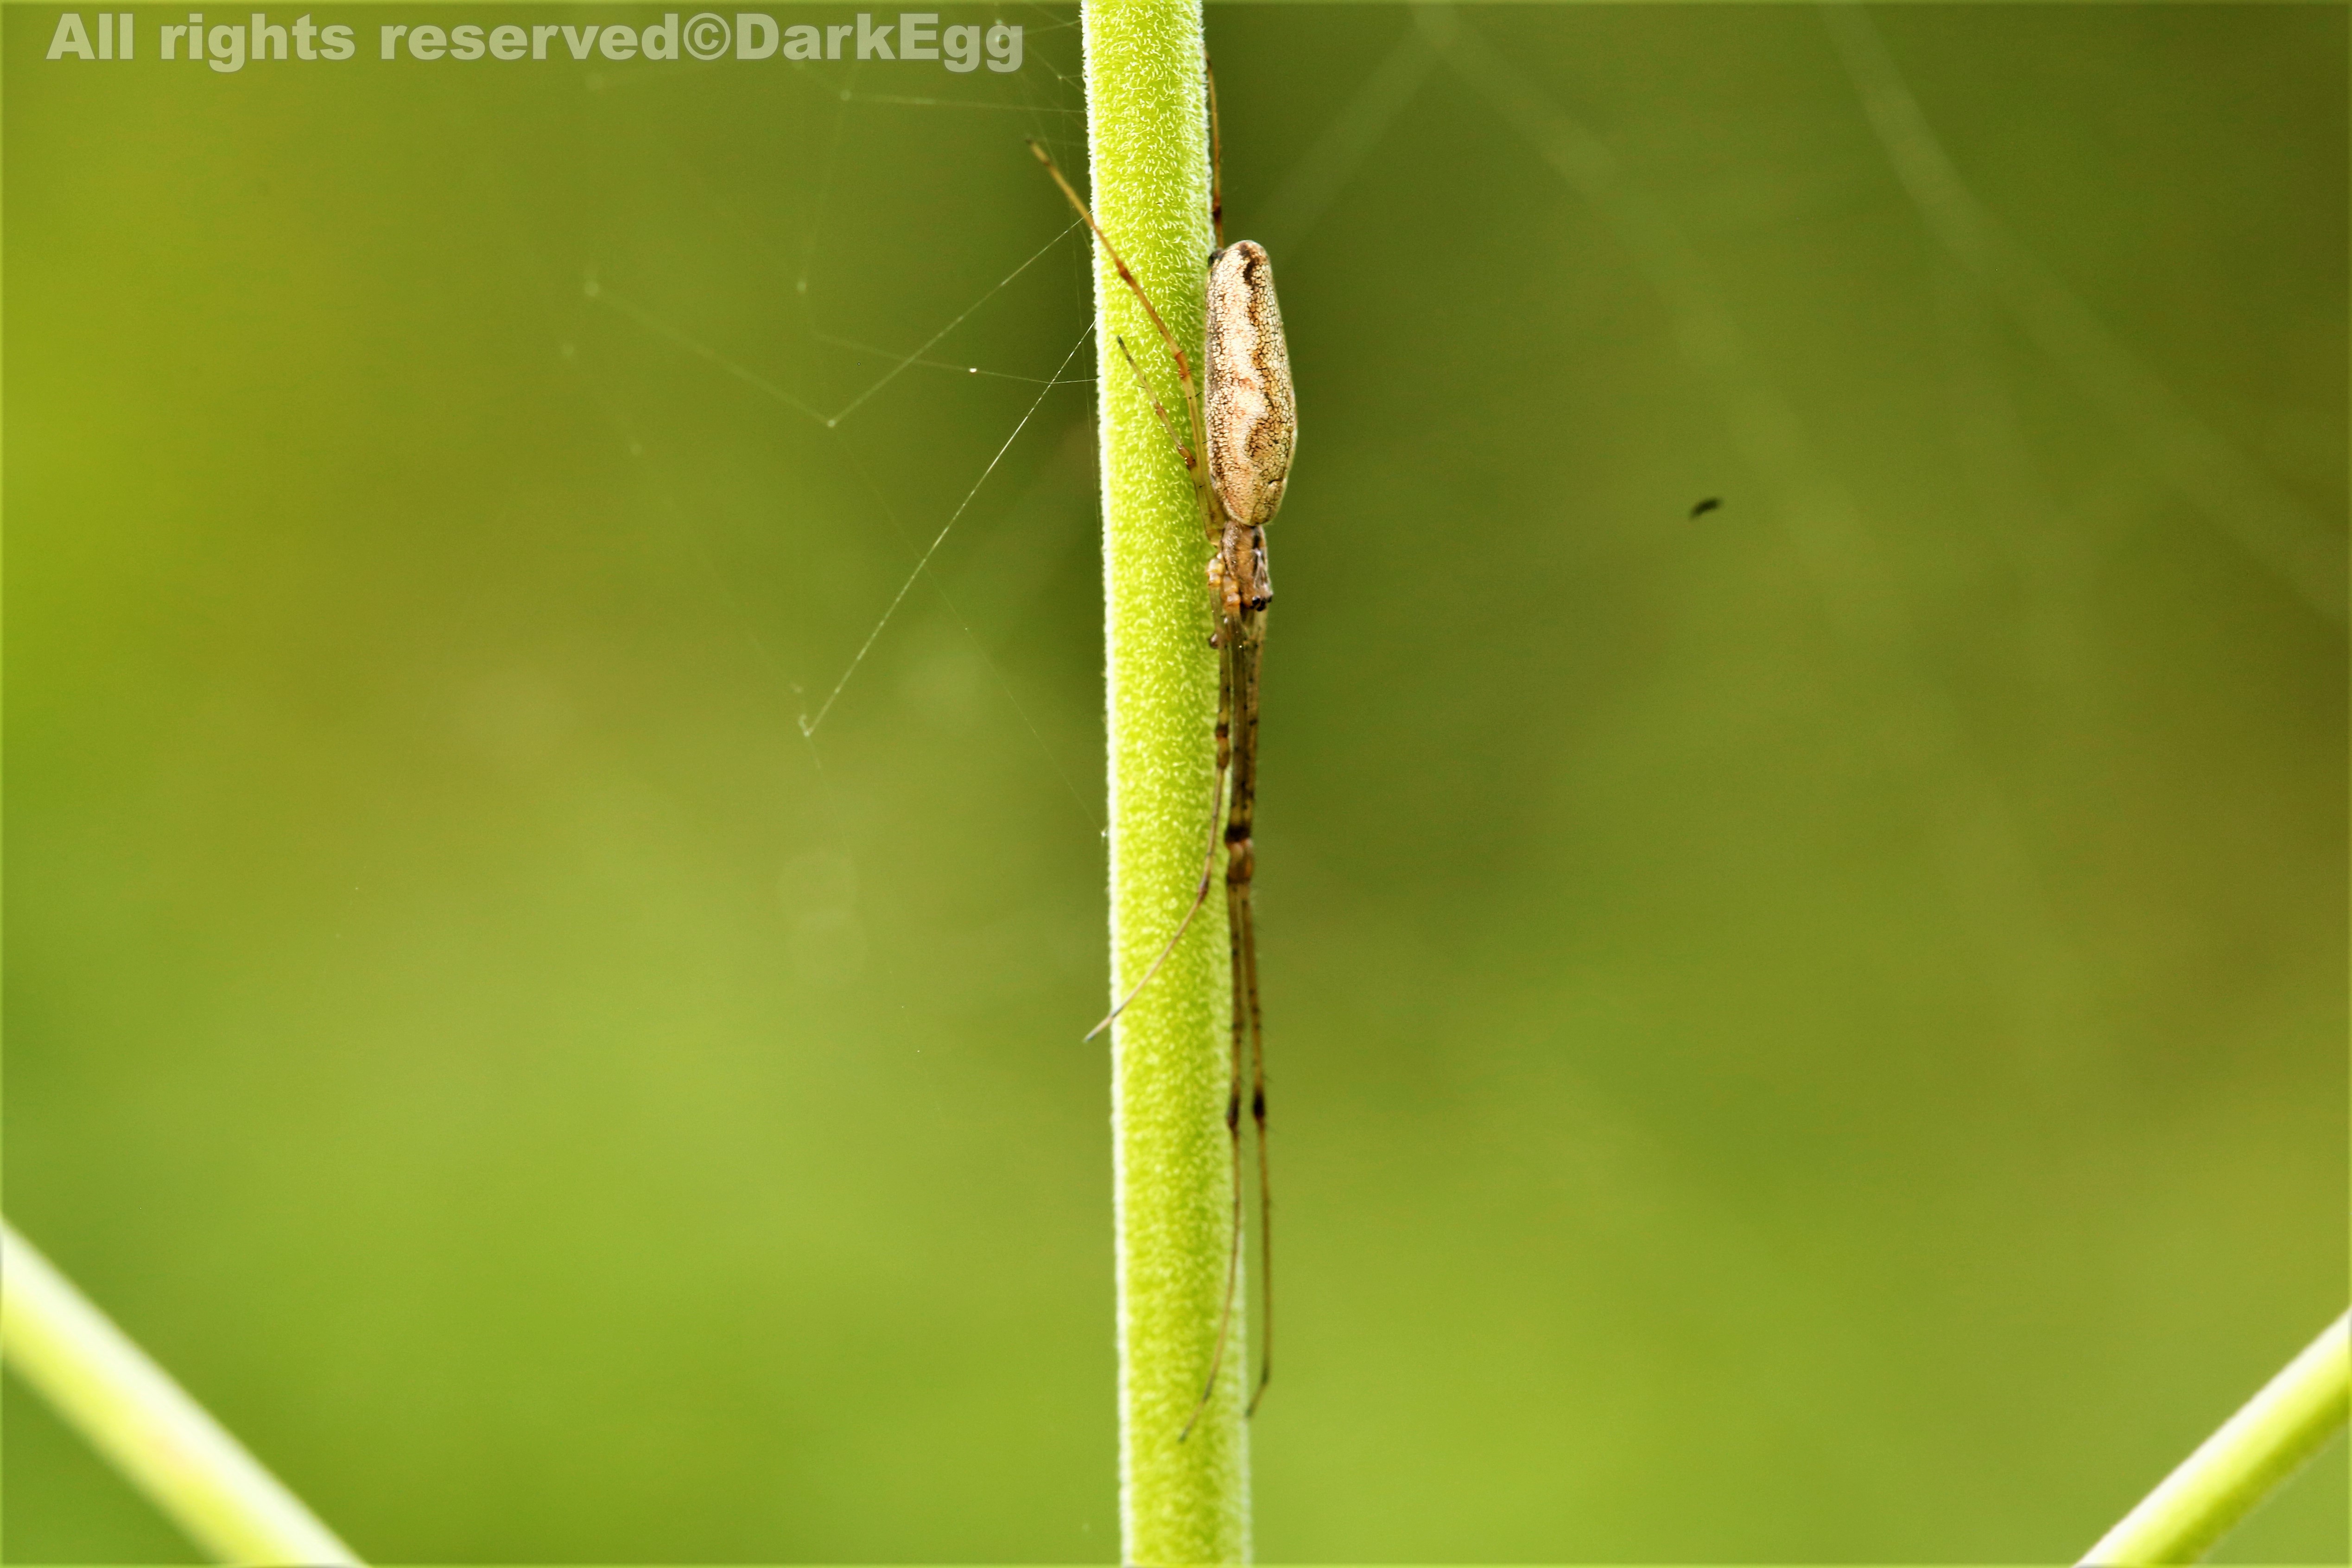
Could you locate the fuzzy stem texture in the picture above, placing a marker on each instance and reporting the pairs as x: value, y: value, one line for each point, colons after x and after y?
x: 2253, y: 1454
x: 1182, y: 1499
x: 202, y: 1478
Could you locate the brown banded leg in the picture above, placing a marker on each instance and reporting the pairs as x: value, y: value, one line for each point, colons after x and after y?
x: 1229, y: 669
x: 1230, y: 675
x: 1236, y: 917
x: 1241, y: 874
x: 1241, y: 868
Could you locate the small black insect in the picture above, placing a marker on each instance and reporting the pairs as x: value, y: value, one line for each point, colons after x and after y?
x: 1704, y: 508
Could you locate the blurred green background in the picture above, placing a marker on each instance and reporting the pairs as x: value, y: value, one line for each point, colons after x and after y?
x: 1815, y: 1032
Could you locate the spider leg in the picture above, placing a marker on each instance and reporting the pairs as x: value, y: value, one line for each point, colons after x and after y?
x: 1265, y: 1171
x: 1166, y: 423
x: 1234, y: 650
x: 1241, y: 869
x: 1127, y: 275
x: 1209, y: 863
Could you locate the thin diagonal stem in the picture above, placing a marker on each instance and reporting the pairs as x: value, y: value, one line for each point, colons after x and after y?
x: 2253, y: 1454
x: 202, y: 1478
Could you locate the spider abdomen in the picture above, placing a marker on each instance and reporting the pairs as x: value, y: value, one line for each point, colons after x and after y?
x: 1251, y: 415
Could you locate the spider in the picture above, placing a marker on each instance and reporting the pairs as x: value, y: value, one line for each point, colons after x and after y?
x: 1242, y: 425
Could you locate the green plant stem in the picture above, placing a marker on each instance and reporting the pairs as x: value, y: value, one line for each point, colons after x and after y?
x: 2251, y: 1456
x: 1181, y: 1502
x: 132, y: 1412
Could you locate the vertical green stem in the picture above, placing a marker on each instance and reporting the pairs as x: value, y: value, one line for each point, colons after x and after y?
x: 2251, y: 1456
x: 201, y: 1477
x: 1181, y: 1502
